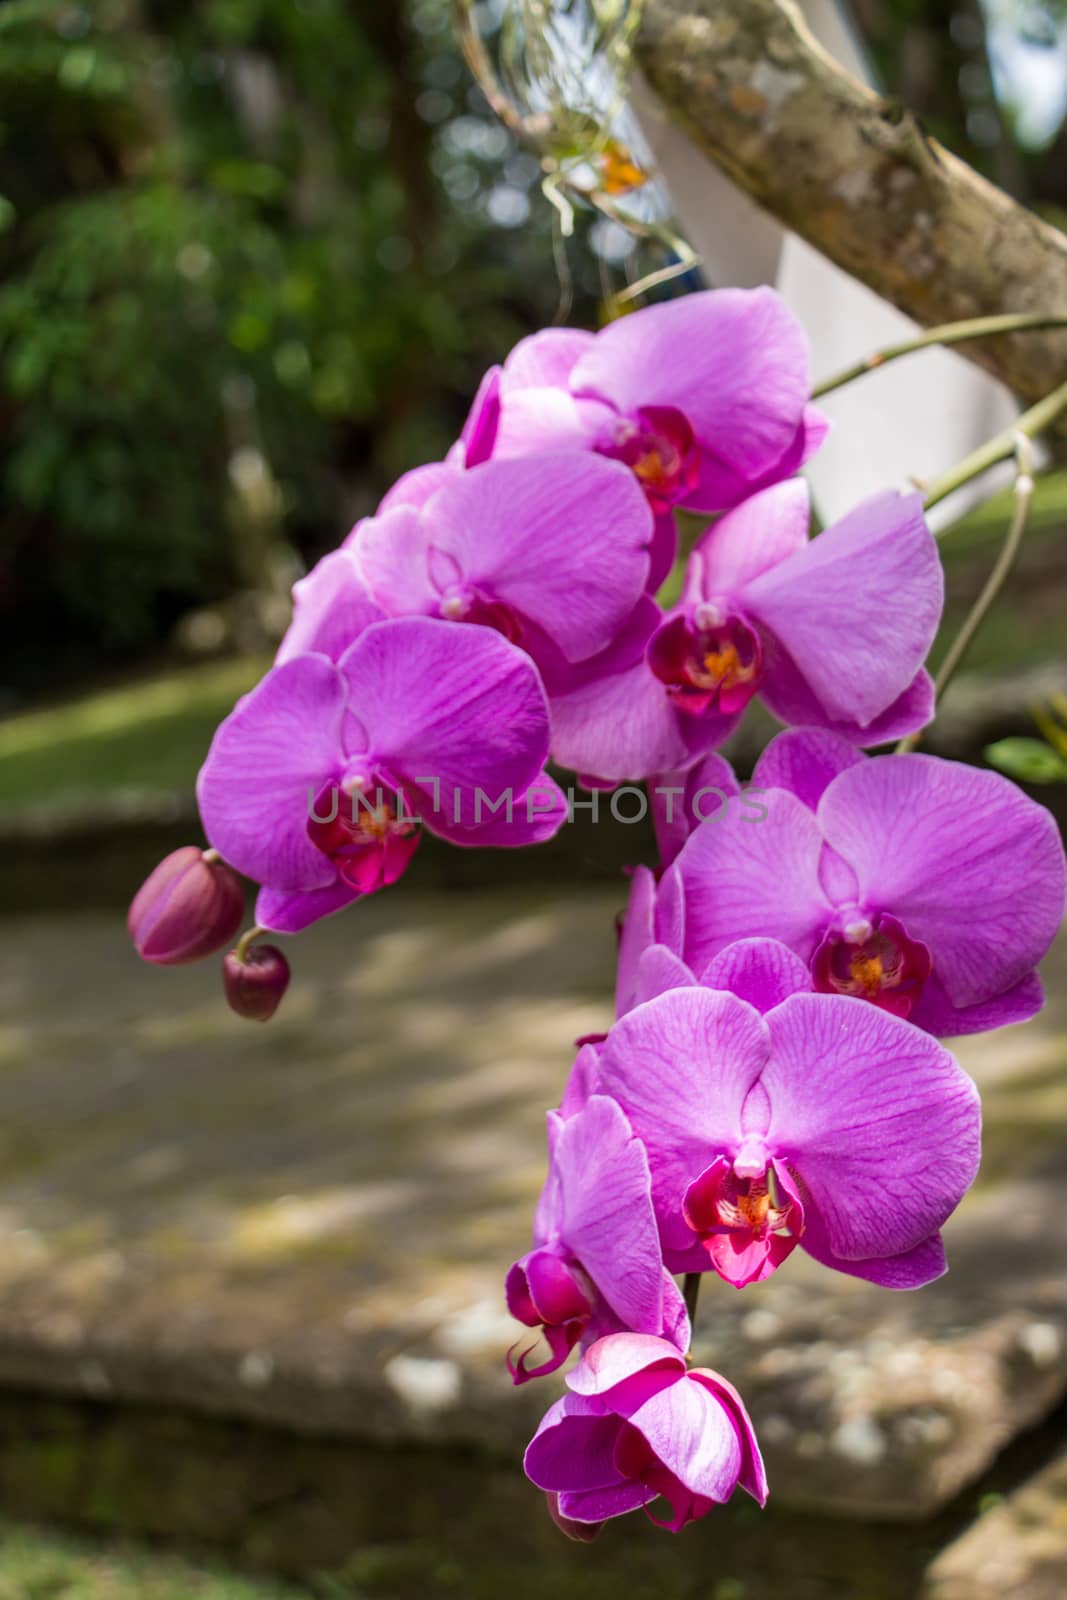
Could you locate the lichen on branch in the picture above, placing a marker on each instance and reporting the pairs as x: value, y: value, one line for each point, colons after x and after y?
x: 856, y: 176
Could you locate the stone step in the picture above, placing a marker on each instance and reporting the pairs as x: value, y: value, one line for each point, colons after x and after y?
x: 1016, y: 1547
x: 307, y: 1224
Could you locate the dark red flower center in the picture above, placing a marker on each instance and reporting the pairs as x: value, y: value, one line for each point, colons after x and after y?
x: 709, y: 661
x: 874, y: 961
x: 365, y: 831
x: 467, y: 605
x: 657, y: 444
x: 747, y: 1224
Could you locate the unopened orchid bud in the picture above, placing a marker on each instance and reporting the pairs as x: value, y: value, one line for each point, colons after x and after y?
x: 188, y: 908
x: 255, y: 979
x: 580, y: 1532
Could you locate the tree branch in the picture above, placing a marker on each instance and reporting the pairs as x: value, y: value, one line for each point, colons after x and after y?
x: 856, y: 176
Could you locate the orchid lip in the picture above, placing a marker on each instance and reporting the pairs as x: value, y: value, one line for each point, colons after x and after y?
x: 872, y: 959
x: 658, y: 445
x: 707, y: 664
x: 747, y: 1220
x: 362, y: 826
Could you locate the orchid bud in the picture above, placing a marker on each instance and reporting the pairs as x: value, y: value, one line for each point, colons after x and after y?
x: 580, y: 1532
x: 188, y: 908
x: 255, y: 981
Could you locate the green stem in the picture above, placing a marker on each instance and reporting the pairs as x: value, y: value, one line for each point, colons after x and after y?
x: 1001, y: 446
x: 245, y: 943
x: 691, y: 1294
x: 1009, y: 550
x: 947, y: 333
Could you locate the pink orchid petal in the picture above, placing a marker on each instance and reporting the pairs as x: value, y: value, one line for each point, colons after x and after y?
x: 762, y: 971
x: 606, y: 1220
x: 272, y: 754
x: 573, y: 1449
x: 636, y: 934
x: 510, y: 527
x: 935, y: 1012
x: 449, y: 710
x: 746, y: 879
x: 753, y: 1477
x: 912, y: 1269
x: 393, y: 553
x: 658, y: 970
x: 804, y: 761
x: 542, y: 420
x: 856, y: 610
x: 414, y: 488
x: 719, y: 486
x: 483, y: 421
x: 876, y: 1120
x: 293, y: 910
x: 545, y: 359
x: 535, y: 816
x: 643, y: 1363
x: 785, y: 693
x: 682, y: 801
x: 688, y: 1430
x: 332, y: 606
x: 684, y: 1117
x: 751, y: 540
x: 734, y: 361
x: 582, y: 1082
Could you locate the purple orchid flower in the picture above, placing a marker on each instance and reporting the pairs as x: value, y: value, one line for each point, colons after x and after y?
x: 928, y: 887
x: 822, y: 1123
x: 552, y: 552
x: 596, y: 1266
x: 318, y: 783
x: 637, y: 1426
x: 831, y: 632
x: 705, y: 399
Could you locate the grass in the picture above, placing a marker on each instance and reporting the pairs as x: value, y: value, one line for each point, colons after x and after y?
x: 38, y: 1564
x: 148, y: 738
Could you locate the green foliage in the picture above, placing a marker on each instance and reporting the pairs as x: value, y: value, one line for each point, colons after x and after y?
x: 246, y: 225
x: 1028, y: 760
x: 40, y: 1565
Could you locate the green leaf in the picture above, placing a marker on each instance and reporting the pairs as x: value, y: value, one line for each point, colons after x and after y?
x: 1028, y: 760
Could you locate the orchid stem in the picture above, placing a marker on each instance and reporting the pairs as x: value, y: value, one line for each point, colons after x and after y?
x: 1001, y: 446
x: 691, y: 1294
x: 947, y: 333
x: 1009, y: 550
x: 245, y: 942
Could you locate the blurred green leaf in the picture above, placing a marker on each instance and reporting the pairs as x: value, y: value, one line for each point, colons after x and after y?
x: 1027, y: 760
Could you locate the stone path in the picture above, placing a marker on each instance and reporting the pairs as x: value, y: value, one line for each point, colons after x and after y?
x: 306, y: 1224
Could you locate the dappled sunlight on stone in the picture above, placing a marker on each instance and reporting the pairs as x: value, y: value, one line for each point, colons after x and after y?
x: 309, y: 1223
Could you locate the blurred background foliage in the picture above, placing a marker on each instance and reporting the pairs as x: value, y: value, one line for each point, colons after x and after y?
x: 254, y: 255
